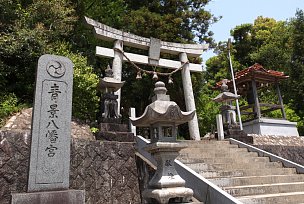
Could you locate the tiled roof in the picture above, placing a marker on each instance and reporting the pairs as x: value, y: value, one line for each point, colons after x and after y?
x: 257, y: 68
x: 257, y: 71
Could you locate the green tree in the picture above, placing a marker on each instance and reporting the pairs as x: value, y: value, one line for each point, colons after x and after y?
x: 277, y: 45
x: 30, y: 29
x: 262, y: 42
x: 295, y: 85
x: 207, y: 109
x: 85, y: 99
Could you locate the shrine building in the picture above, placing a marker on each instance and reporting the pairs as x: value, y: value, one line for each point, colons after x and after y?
x: 251, y: 83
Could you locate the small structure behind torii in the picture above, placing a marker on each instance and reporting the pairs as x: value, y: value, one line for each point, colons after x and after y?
x: 248, y: 81
x: 155, y: 47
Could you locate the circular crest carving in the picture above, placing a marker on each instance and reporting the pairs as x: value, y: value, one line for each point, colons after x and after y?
x: 55, y: 69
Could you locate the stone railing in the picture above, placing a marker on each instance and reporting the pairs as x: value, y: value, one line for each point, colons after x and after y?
x: 204, y: 190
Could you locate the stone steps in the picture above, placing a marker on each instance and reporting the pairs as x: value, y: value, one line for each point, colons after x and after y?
x: 192, y: 159
x: 265, y: 189
x: 229, y: 151
x: 247, y: 172
x: 256, y: 180
x: 281, y: 198
x: 205, y: 147
x: 243, y: 174
x: 212, y: 149
x: 232, y: 166
x: 219, y: 154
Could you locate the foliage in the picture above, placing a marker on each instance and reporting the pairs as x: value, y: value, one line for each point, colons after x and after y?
x: 85, y: 98
x: 8, y: 105
x: 178, y: 20
x: 30, y: 29
x: 94, y: 130
x: 207, y: 110
x: 266, y: 41
x: 276, y: 45
x: 296, y: 68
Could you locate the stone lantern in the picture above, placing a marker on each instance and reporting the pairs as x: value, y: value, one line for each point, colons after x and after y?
x: 110, y: 127
x: 163, y: 116
x: 231, y: 127
x: 109, y: 85
x: 227, y: 109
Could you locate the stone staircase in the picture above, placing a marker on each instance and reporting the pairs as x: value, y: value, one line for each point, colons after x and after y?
x: 246, y: 176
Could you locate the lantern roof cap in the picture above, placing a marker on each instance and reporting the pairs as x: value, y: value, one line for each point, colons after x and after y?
x: 162, y: 110
x: 225, y: 96
x: 109, y: 82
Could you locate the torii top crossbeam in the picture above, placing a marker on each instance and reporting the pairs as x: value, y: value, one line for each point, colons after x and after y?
x: 108, y: 33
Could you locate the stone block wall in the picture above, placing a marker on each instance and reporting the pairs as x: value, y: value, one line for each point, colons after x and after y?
x: 292, y: 153
x: 14, y: 160
x: 287, y: 147
x: 277, y: 140
x: 105, y: 170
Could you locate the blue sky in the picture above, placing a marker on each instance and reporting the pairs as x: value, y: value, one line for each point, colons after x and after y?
x: 237, y: 12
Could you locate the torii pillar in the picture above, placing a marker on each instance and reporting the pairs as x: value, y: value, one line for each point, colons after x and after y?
x: 117, y: 67
x: 155, y: 47
x: 189, y: 97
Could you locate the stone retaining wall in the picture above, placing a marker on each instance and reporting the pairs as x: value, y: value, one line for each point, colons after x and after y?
x: 292, y: 153
x: 287, y: 147
x: 105, y: 170
x: 277, y: 140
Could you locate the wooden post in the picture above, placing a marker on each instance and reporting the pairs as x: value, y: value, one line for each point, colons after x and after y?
x: 281, y: 101
x: 257, y: 109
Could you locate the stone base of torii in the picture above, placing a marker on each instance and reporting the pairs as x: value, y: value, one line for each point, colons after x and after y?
x: 155, y: 47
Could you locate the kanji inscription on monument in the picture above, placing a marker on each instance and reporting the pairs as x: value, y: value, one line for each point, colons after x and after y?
x: 50, y: 147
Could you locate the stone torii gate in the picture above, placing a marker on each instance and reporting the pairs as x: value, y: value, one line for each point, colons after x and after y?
x: 155, y: 47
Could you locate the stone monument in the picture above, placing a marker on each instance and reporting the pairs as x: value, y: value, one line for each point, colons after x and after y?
x: 48, y: 180
x: 163, y: 116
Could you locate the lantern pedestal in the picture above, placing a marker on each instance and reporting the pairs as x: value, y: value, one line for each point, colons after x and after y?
x: 166, y: 185
x: 164, y: 195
